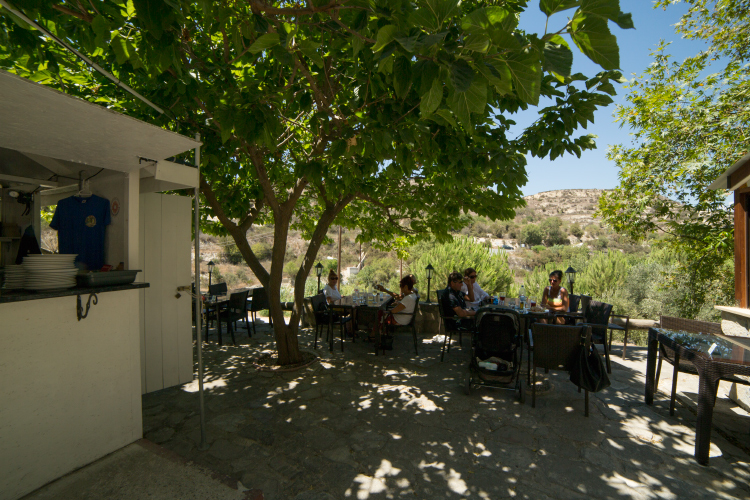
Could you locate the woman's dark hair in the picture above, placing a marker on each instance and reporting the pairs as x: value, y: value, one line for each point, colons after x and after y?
x: 408, y: 282
x: 469, y: 270
x: 332, y: 274
x: 454, y: 276
x: 558, y: 274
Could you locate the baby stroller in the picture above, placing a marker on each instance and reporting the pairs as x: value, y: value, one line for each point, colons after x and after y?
x: 496, y: 348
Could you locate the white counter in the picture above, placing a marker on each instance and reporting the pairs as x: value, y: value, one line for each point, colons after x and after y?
x: 70, y: 390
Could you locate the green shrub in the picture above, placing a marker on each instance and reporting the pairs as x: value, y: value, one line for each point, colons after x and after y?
x: 576, y: 230
x: 538, y: 248
x: 232, y: 255
x: 493, y: 272
x: 262, y: 250
x: 531, y: 235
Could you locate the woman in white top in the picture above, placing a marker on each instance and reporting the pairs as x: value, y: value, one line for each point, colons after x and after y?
x: 331, y: 289
x: 401, y: 313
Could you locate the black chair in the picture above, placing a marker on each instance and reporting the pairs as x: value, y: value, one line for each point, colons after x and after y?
x: 392, y: 329
x: 234, y: 311
x: 557, y: 347
x: 316, y: 309
x: 621, y: 328
x: 218, y: 289
x: 451, y: 322
x: 257, y: 302
x: 597, y: 317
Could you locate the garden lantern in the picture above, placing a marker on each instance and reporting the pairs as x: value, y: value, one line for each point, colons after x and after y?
x: 571, y: 277
x: 210, y: 272
x: 318, y: 273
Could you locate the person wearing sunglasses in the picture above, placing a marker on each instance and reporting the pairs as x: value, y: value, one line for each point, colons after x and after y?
x: 457, y: 299
x: 475, y: 296
x: 555, y: 296
x: 332, y: 294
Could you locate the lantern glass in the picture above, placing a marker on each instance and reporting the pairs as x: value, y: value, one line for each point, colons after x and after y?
x: 571, y: 274
x: 211, y: 266
x: 429, y: 270
x: 318, y: 269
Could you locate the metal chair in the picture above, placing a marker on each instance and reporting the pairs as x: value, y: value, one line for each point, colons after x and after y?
x: 235, y: 311
x: 597, y: 317
x: 317, y: 314
x: 451, y: 323
x: 218, y: 289
x: 620, y: 328
x: 392, y: 329
x: 257, y: 302
x: 557, y: 347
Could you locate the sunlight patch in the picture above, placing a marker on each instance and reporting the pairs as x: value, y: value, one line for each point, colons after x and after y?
x: 376, y: 484
x: 211, y: 384
x: 326, y: 365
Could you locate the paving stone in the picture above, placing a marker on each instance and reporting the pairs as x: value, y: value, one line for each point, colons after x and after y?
x: 226, y: 450
x: 229, y: 422
x: 160, y: 435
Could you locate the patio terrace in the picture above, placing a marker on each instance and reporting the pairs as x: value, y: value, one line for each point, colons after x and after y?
x: 355, y: 425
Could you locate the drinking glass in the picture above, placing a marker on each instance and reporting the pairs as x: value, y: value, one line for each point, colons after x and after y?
x: 501, y: 297
x: 532, y: 302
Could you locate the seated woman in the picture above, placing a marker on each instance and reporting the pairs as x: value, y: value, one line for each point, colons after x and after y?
x: 474, y: 295
x: 401, y: 312
x: 332, y: 295
x: 555, y: 297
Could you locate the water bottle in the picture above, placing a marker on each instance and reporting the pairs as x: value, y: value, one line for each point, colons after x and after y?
x: 522, y: 298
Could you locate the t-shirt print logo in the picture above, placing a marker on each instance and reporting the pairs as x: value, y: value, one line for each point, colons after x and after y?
x: 90, y: 221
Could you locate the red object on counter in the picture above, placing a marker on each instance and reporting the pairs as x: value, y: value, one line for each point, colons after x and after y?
x: 106, y: 267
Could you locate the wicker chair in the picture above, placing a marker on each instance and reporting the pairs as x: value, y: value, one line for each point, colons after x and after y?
x: 556, y: 347
x: 620, y: 328
x: 597, y: 317
x: 665, y: 353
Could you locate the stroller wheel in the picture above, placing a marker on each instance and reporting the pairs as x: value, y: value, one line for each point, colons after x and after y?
x: 521, y: 392
x: 467, y: 386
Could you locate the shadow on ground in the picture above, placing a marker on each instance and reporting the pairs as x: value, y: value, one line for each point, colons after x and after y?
x: 356, y: 425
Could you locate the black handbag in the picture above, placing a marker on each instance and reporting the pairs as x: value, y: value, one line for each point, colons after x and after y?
x: 588, y: 370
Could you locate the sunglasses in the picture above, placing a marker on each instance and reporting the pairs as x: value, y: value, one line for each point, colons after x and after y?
x: 456, y: 281
x: 473, y: 277
x: 334, y: 279
x: 552, y: 280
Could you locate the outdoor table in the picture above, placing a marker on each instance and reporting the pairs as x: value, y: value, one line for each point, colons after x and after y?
x: 347, y: 306
x: 215, y: 304
x: 714, y: 357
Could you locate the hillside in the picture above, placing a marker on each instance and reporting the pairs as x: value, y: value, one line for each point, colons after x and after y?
x: 570, y: 205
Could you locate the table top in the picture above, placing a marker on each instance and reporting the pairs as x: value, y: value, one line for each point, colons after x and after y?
x: 497, y: 308
x: 723, y: 348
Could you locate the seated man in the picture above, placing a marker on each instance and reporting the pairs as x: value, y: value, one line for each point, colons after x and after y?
x: 456, y: 300
x: 475, y: 296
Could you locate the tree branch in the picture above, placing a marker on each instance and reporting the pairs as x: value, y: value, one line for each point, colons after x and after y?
x: 85, y: 16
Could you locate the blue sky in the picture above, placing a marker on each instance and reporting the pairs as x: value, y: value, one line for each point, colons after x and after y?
x: 593, y: 170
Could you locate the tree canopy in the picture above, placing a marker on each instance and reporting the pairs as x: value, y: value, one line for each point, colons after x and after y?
x: 388, y: 115
x: 689, y: 126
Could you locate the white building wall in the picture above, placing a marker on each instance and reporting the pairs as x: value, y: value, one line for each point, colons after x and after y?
x: 71, y: 390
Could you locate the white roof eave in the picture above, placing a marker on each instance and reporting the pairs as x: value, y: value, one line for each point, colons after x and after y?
x: 43, y: 121
x: 722, y: 183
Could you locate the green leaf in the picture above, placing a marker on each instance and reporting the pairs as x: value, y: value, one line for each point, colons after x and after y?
x: 550, y: 7
x: 477, y: 43
x: 401, y: 76
x: 100, y: 27
x: 592, y: 36
x: 386, y: 65
x: 408, y: 43
x: 425, y: 18
x: 384, y: 37
x: 487, y: 19
x: 264, y: 42
x: 309, y: 48
x: 625, y: 21
x: 426, y: 72
x: 473, y: 100
x: 432, y: 99
x: 461, y: 75
x: 447, y: 116
x: 120, y: 47
x: 357, y: 45
x: 526, y: 73
x: 558, y: 58
x: 497, y: 77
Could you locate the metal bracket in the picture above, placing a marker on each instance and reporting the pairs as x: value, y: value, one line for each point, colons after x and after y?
x: 79, y: 311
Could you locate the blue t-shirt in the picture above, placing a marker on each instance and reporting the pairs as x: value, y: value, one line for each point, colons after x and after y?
x: 80, y: 224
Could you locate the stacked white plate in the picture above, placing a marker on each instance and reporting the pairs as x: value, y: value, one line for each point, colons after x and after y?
x: 50, y: 272
x: 15, y: 277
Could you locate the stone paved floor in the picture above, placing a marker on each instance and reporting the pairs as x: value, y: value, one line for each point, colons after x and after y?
x: 360, y: 426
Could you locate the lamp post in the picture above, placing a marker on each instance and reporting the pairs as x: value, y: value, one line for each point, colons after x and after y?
x: 571, y: 277
x: 429, y: 270
x: 210, y: 272
x: 318, y: 273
